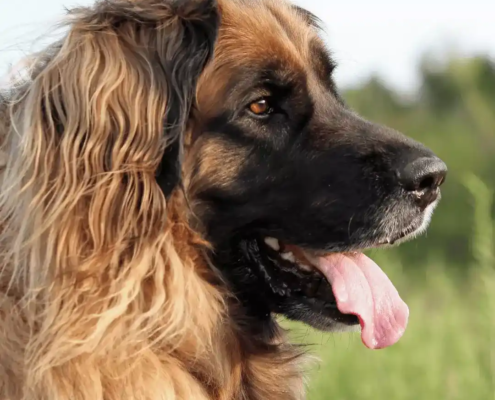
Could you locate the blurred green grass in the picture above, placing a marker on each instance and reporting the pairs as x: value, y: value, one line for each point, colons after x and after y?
x: 448, y: 349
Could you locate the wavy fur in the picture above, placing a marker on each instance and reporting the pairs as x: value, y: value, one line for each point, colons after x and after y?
x: 106, y: 292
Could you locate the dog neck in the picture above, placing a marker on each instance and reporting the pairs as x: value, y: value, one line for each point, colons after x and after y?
x: 168, y: 328
x: 247, y: 353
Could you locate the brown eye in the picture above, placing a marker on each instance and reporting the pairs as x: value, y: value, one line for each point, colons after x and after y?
x: 260, y: 107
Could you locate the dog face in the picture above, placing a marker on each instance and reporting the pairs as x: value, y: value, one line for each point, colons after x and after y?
x: 281, y: 171
x: 287, y: 184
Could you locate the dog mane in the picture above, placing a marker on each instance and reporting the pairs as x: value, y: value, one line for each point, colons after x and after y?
x: 105, y: 288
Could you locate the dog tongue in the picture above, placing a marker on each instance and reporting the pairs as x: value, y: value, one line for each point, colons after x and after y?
x: 361, y: 288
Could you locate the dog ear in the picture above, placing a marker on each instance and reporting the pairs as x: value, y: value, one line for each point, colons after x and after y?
x: 183, y: 56
x: 107, y: 106
x: 157, y: 50
x: 97, y: 130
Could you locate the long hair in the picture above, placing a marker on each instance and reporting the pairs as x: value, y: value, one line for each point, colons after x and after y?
x: 105, y: 291
x: 92, y: 256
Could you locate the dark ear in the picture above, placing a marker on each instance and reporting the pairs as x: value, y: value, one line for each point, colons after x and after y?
x: 188, y: 48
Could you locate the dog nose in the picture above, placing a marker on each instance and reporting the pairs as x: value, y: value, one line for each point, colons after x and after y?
x: 423, y: 177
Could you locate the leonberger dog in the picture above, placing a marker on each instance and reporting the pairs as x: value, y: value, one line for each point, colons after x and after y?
x: 175, y: 175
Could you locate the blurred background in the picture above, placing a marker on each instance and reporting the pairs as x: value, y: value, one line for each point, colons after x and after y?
x: 426, y: 68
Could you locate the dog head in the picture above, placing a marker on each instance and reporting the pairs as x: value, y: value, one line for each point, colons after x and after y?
x: 283, y: 174
x: 232, y: 103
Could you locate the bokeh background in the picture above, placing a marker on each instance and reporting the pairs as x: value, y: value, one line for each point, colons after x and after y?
x: 427, y: 68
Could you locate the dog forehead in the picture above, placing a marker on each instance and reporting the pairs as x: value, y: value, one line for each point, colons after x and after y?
x: 256, y: 35
x: 260, y: 30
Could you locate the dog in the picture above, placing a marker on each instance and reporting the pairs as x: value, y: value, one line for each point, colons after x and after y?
x: 177, y: 174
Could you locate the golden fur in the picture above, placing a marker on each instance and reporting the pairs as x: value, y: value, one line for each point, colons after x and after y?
x: 106, y: 292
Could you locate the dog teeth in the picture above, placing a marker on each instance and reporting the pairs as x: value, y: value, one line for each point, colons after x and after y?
x: 313, y: 260
x: 288, y: 257
x: 273, y: 243
x: 305, y: 267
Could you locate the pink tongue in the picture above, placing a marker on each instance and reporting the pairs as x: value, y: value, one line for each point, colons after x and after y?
x: 361, y: 288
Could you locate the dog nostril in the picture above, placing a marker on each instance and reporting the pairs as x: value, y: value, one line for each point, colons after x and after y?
x: 432, y: 181
x: 423, y: 176
x: 427, y: 182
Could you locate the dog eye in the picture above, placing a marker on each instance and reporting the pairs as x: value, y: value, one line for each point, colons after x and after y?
x: 261, y: 107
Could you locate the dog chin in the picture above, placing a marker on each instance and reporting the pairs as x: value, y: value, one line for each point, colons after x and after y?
x: 417, y: 229
x: 338, y: 327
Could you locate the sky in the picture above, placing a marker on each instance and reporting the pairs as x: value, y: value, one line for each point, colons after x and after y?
x: 382, y: 37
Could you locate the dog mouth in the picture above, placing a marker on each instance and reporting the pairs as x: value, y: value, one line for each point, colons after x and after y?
x: 348, y: 287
